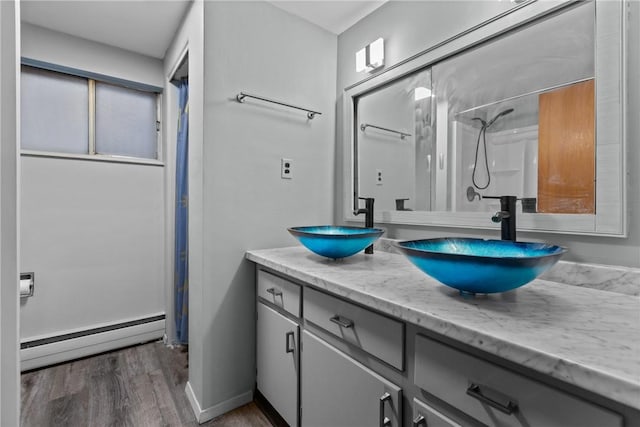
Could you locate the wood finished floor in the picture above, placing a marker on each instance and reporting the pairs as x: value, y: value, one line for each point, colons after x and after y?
x: 138, y: 386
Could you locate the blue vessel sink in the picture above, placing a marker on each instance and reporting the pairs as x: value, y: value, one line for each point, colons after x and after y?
x: 481, y: 266
x: 335, y: 241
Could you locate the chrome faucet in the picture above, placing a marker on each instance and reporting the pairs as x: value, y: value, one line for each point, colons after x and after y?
x: 506, y: 216
x: 368, y: 217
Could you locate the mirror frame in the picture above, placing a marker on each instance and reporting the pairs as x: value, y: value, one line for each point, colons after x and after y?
x: 610, y: 218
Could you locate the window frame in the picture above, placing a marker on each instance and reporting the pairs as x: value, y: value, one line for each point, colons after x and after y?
x: 91, y: 79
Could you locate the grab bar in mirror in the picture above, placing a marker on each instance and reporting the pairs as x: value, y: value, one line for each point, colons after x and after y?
x: 310, y: 113
x: 364, y: 126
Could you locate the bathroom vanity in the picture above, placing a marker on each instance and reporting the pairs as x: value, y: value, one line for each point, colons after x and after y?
x: 370, y: 340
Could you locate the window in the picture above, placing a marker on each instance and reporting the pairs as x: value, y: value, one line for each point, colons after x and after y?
x: 125, y: 121
x: 67, y: 114
x: 55, y: 113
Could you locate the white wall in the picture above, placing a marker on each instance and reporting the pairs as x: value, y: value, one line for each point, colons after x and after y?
x: 258, y: 48
x: 408, y: 28
x: 93, y: 232
x: 63, y: 49
x: 411, y: 27
x: 383, y: 151
x: 9, y: 208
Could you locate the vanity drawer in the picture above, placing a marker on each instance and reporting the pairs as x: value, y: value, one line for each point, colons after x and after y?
x: 425, y: 416
x: 374, y: 333
x: 280, y: 292
x: 497, y: 396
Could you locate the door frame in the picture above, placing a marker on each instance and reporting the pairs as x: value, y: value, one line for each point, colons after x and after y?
x: 9, y: 212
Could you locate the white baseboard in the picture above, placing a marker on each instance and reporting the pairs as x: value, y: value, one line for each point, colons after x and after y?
x: 204, y: 415
x: 69, y: 349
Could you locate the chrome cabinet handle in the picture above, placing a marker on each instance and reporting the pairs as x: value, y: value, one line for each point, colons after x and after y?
x: 475, y: 392
x: 287, y: 347
x: 342, y: 321
x: 275, y: 292
x: 384, y: 421
x: 419, y: 421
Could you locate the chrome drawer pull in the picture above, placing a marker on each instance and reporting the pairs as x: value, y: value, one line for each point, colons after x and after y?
x: 419, y: 421
x: 275, y: 292
x: 342, y: 321
x: 384, y: 421
x: 475, y: 392
x: 288, y: 348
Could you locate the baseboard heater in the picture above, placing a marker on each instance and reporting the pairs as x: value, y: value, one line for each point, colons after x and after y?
x: 64, y: 347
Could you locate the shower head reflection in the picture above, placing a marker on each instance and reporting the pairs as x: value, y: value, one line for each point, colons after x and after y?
x: 497, y: 116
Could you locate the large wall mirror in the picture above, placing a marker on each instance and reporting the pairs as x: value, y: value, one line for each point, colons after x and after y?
x: 530, y: 104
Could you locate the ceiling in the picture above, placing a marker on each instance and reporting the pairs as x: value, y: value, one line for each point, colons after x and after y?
x: 145, y: 27
x: 148, y: 26
x: 332, y: 15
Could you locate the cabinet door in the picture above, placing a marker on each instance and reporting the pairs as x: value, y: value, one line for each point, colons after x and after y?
x: 337, y: 391
x: 277, y: 362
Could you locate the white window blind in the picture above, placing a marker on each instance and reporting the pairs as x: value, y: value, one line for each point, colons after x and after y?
x: 54, y: 112
x: 125, y: 122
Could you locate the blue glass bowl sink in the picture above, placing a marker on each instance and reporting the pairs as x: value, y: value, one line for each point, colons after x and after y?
x: 481, y: 266
x: 334, y: 241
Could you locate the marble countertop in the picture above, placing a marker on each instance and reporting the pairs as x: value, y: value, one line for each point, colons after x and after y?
x: 586, y: 337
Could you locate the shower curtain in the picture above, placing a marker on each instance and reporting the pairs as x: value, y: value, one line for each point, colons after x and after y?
x: 181, y: 219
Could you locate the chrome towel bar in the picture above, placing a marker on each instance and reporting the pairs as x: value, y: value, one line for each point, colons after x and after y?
x: 364, y: 126
x: 310, y: 113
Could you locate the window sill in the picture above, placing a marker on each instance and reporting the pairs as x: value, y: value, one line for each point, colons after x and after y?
x: 93, y: 157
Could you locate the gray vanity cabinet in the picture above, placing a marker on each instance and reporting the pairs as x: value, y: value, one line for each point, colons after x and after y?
x: 278, y: 344
x: 336, y: 390
x: 325, y: 361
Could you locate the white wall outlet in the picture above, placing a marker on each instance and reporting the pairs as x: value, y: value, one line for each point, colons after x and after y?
x: 379, y: 179
x: 286, y: 168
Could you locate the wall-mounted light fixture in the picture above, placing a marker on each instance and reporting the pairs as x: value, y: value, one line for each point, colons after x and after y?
x: 370, y: 57
x: 421, y: 93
